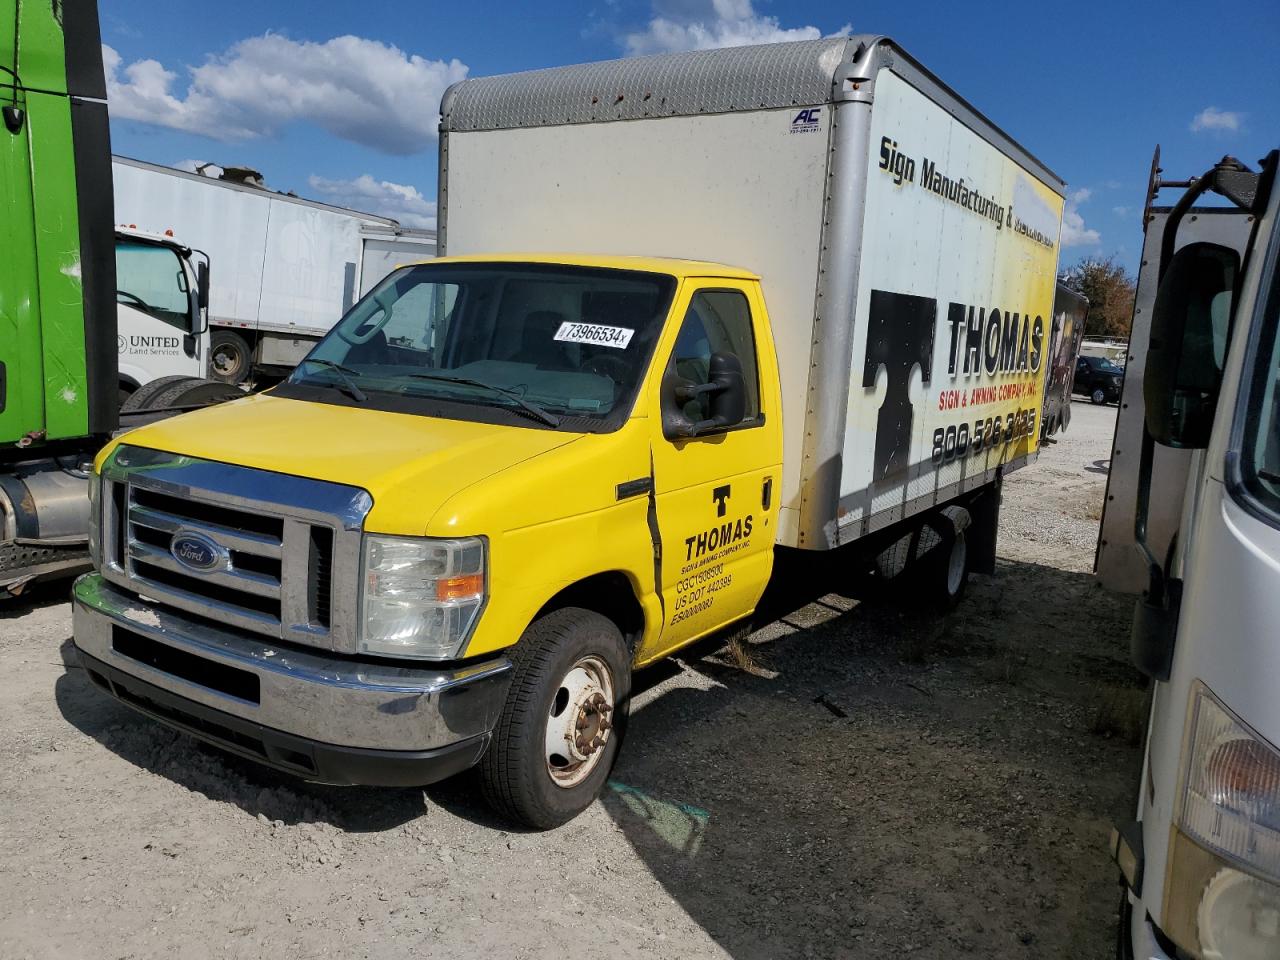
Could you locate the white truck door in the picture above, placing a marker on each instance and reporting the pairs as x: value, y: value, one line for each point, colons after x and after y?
x: 155, y: 308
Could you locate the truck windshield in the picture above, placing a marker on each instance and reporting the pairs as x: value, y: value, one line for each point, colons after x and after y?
x: 546, y: 344
x: 150, y: 278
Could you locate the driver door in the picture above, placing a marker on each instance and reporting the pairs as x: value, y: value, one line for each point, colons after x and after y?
x: 716, y: 492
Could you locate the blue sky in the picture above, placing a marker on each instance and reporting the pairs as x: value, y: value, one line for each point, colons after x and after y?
x: 339, y: 101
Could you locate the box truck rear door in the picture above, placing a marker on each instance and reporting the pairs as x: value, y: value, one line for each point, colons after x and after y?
x: 715, y: 490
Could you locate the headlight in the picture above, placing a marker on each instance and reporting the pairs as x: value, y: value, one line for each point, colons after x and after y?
x: 421, y: 596
x: 1222, y: 900
x: 95, y: 519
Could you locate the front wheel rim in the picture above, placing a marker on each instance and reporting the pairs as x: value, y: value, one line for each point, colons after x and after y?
x: 1099, y: 396
x: 579, y: 722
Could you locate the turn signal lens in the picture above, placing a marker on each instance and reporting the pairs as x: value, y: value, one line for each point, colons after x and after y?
x: 1231, y: 799
x: 460, y: 588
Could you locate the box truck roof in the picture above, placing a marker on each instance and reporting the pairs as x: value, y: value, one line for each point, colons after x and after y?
x: 762, y: 77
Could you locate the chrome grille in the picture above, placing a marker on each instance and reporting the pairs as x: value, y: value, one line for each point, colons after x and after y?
x: 276, y: 544
x: 250, y: 582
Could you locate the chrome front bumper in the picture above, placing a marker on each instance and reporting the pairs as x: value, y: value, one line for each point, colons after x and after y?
x: 313, y: 714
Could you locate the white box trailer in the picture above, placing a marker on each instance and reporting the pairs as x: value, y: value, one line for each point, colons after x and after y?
x: 908, y: 247
x: 283, y: 269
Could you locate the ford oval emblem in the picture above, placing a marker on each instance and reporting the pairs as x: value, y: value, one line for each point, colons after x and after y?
x: 196, y: 551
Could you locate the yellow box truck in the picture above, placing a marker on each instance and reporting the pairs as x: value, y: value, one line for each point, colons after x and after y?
x: 506, y: 480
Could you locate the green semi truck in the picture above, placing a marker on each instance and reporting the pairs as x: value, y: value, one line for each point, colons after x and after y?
x: 60, y: 383
x: 58, y: 387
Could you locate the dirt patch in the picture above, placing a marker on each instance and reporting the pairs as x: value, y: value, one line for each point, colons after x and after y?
x: 851, y: 781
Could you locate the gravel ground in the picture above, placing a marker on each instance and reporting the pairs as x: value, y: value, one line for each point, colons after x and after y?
x: 859, y: 782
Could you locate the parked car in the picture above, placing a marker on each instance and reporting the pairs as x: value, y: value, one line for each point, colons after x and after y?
x: 1099, y: 378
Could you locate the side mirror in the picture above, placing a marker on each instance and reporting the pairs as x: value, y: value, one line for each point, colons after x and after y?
x: 202, y: 285
x: 1190, y: 330
x: 725, y: 390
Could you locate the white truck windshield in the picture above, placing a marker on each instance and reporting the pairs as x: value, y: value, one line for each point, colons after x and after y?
x: 150, y: 278
x: 548, y: 342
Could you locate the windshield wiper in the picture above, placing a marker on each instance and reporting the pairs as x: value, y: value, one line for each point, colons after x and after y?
x: 537, y: 412
x: 344, y: 375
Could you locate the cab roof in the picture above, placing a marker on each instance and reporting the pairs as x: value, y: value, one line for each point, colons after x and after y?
x: 151, y: 236
x: 667, y: 265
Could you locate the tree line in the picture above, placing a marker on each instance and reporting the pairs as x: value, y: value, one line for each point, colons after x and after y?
x: 1110, y: 291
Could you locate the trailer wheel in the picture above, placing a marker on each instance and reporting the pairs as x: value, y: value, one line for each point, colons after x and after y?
x: 179, y: 391
x: 228, y: 356
x: 563, y: 721
x: 1099, y: 396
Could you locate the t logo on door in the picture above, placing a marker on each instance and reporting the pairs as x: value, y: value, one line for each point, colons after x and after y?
x: 720, y: 495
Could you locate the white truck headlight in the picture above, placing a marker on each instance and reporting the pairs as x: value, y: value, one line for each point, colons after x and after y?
x: 421, y: 596
x: 1222, y: 889
x: 95, y: 519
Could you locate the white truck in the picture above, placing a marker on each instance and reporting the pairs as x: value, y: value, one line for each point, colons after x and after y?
x: 286, y: 268
x: 162, y: 294
x: 1192, y: 525
x: 162, y: 327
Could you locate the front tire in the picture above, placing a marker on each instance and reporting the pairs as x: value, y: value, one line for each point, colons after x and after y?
x: 1099, y: 396
x: 562, y: 724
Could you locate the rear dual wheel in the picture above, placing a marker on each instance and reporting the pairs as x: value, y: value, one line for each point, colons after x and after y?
x: 947, y: 574
x: 563, y: 720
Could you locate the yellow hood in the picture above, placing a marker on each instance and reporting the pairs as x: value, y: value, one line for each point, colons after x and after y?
x: 410, y: 465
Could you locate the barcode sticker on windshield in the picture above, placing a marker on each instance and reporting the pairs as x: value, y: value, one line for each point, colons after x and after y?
x: 592, y: 333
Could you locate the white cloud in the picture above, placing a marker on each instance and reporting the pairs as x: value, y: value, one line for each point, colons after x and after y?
x: 360, y: 90
x: 400, y: 201
x: 1120, y: 211
x: 1074, y: 232
x: 724, y: 23
x: 1211, y: 118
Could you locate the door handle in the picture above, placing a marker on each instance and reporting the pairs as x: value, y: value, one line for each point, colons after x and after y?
x: 766, y: 493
